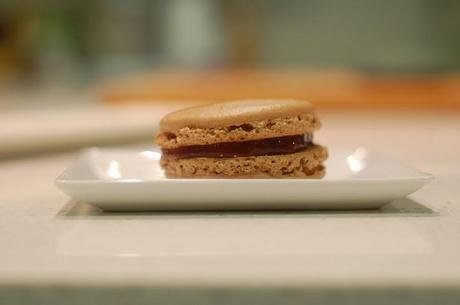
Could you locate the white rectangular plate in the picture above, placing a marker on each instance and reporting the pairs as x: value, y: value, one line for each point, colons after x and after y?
x: 132, y: 180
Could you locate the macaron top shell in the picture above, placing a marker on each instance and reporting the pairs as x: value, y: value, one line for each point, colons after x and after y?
x: 233, y: 113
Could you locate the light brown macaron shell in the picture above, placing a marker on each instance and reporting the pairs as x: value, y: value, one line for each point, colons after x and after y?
x: 236, y: 121
x: 305, y: 164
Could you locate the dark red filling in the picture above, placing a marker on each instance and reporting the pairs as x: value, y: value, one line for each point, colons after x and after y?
x: 271, y: 146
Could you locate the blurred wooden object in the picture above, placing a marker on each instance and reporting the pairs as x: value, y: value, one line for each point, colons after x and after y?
x: 329, y: 89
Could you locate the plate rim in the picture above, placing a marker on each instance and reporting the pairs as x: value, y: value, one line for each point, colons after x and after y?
x: 419, y: 176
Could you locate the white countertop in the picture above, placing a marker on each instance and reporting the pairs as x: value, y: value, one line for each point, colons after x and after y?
x: 55, y: 251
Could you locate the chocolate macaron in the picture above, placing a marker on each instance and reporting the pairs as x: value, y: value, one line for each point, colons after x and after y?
x: 242, y: 139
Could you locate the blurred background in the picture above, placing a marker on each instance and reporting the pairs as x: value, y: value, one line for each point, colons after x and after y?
x: 73, y: 70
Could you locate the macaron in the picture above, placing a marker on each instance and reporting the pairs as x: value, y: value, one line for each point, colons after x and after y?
x: 242, y: 139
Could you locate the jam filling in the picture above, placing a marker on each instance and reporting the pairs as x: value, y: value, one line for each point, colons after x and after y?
x: 270, y: 146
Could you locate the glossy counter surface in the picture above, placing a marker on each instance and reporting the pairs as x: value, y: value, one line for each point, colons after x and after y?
x: 56, y: 251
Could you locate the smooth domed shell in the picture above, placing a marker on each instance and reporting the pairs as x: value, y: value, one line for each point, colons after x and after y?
x: 233, y: 113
